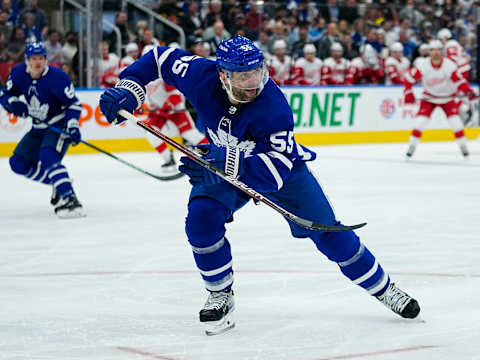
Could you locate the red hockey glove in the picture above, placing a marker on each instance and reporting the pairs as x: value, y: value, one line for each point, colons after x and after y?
x: 409, y: 98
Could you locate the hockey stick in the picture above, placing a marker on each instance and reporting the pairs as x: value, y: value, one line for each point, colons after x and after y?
x: 237, y: 183
x: 158, y: 177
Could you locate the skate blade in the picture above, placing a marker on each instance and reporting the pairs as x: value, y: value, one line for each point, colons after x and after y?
x: 73, y: 214
x: 220, y: 326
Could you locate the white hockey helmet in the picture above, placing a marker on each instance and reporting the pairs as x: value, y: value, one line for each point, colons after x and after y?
x: 435, y: 44
x: 279, y: 44
x: 336, y: 46
x: 147, y: 49
x: 309, y: 49
x: 424, y: 47
x: 444, y: 34
x: 131, y: 47
x: 396, y: 47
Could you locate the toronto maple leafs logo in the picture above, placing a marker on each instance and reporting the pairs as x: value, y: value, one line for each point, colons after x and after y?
x: 36, y: 109
x: 223, y: 138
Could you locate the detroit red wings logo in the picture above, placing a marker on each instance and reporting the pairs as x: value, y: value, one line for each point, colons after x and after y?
x: 387, y: 108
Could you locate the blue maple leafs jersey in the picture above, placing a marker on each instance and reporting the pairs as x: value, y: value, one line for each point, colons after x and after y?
x: 262, y: 129
x: 50, y: 99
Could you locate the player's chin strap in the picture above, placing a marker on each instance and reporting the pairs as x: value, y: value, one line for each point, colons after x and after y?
x: 237, y: 183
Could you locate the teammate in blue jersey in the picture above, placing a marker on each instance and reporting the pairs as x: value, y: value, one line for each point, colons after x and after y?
x: 47, y: 96
x: 250, y: 128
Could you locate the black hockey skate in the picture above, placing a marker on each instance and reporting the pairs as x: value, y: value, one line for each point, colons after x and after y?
x: 464, y: 151
x: 399, y: 302
x: 69, y: 208
x: 55, y: 198
x: 217, y: 314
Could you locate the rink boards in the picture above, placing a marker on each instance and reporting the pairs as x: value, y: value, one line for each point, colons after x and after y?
x: 322, y: 115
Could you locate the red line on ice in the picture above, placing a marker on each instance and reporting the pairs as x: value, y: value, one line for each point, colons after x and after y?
x: 145, y: 353
x: 378, y: 353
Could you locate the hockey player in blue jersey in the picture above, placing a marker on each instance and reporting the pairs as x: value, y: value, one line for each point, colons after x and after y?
x: 250, y: 128
x: 50, y: 101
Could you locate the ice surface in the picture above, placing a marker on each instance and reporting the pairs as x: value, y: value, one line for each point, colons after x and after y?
x: 121, y: 283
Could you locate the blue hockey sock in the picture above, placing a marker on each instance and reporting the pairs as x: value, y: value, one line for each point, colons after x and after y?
x: 58, y: 176
x: 38, y: 173
x: 364, y: 270
x: 355, y: 261
x: 205, y: 228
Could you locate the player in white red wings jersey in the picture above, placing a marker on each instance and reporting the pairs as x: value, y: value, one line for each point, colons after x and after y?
x: 396, y: 65
x: 441, y: 81
x: 455, y: 52
x: 308, y: 68
x: 365, y: 69
x: 424, y: 51
x: 334, y: 68
x: 132, y: 55
x: 281, y: 65
x: 166, y: 106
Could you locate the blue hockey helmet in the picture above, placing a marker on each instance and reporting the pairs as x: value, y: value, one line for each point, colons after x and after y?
x: 238, y: 54
x: 244, y: 68
x: 35, y: 48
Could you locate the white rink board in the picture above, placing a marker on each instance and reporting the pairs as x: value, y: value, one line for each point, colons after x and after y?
x: 121, y: 283
x: 316, y: 109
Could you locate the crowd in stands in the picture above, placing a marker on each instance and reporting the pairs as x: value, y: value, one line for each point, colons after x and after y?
x: 304, y: 42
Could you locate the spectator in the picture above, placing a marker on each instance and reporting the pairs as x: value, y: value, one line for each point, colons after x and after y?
x: 316, y: 32
x: 343, y: 29
x: 3, y: 49
x: 54, y: 48
x: 147, y: 39
x: 191, y: 22
x: 297, y: 48
x: 327, y: 40
x: 372, y: 39
x: 215, y: 14
x: 351, y: 50
x: 331, y: 12
x: 349, y: 12
x: 408, y: 45
x: 254, y: 17
x: 279, y: 33
x: 387, y: 11
x: 410, y: 12
x: 262, y: 44
x: 69, y: 49
x: 16, y: 45
x: 32, y: 33
x: 5, y: 26
x: 40, y: 17
x: 12, y: 13
x: 125, y: 35
x: 69, y: 71
x: 292, y: 31
x: 358, y: 30
x: 141, y: 26
x: 219, y: 34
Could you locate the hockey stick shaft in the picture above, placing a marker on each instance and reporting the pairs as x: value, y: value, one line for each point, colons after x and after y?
x: 59, y: 131
x: 237, y: 183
